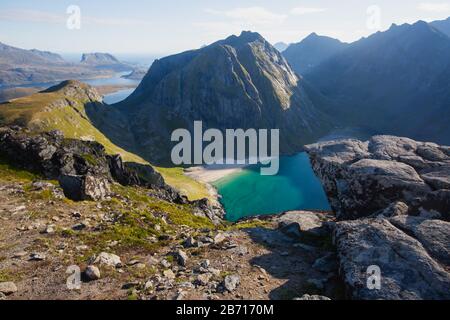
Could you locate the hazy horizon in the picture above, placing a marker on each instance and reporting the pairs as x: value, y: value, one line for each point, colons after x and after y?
x: 154, y: 28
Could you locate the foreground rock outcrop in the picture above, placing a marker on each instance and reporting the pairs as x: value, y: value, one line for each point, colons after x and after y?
x: 391, y: 197
x: 83, y: 168
x: 364, y: 178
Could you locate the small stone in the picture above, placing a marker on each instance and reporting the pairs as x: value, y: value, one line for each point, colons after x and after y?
x: 190, y: 243
x: 181, y: 257
x: 313, y: 297
x: 215, y: 272
x: 133, y: 262
x: 18, y: 209
x: 92, y: 273
x: 157, y: 228
x: 82, y: 248
x: 8, y: 288
x: 231, y: 282
x: 205, y: 264
x: 219, y: 238
x: 180, y: 296
x: 165, y: 263
x: 108, y: 259
x: 140, y: 266
x: 37, y: 257
x: 76, y: 214
x: 19, y: 255
x: 203, y: 279
x: 169, y: 274
x: 50, y: 229
x: 79, y: 227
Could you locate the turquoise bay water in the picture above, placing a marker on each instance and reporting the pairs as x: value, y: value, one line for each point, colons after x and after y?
x: 296, y: 187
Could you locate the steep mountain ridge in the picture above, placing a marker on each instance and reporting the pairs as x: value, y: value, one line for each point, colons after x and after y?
x: 397, y: 75
x: 240, y: 82
x: 442, y: 25
x: 311, y: 52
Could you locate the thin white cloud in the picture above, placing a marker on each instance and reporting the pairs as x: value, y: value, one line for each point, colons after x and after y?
x: 252, y: 15
x: 299, y: 11
x: 436, y: 7
x: 48, y: 17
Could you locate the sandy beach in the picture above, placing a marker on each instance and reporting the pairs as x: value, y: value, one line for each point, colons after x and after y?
x: 210, y: 174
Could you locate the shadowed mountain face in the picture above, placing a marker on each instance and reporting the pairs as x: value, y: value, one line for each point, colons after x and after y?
x: 442, y: 25
x: 311, y: 52
x: 240, y: 82
x: 396, y: 82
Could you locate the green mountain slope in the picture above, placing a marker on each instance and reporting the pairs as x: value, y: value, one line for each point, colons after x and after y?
x: 76, y: 109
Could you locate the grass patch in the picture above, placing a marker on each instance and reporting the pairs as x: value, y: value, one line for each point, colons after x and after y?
x: 9, y: 172
x: 43, y: 112
x: 7, y: 275
x: 250, y: 225
x: 187, y: 186
x: 178, y: 214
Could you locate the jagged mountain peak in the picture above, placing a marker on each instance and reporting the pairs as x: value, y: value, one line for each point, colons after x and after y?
x: 239, y: 82
x: 312, y: 51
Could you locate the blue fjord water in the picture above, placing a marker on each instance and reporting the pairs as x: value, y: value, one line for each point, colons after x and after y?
x: 248, y: 193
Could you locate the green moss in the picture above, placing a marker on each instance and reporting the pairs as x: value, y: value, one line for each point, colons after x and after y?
x: 90, y: 159
x: 43, y: 195
x: 191, y: 188
x: 8, y: 275
x: 249, y: 225
x: 178, y: 214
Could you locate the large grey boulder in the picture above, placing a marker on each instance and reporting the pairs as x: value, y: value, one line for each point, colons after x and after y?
x: 86, y: 187
x: 408, y: 272
x: 364, y: 178
x: 299, y: 224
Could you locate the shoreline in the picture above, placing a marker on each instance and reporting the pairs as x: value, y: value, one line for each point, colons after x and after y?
x: 211, y: 174
x: 207, y: 175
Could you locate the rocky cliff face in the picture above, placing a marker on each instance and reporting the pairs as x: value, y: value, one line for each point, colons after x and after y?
x: 83, y: 168
x: 239, y: 82
x: 392, y: 197
x: 392, y: 82
x: 363, y: 178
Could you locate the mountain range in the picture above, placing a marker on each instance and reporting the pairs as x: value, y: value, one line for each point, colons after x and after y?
x: 394, y: 82
x: 25, y: 67
x: 311, y: 52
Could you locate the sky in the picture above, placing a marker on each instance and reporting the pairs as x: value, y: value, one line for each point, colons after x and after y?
x: 171, y: 26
